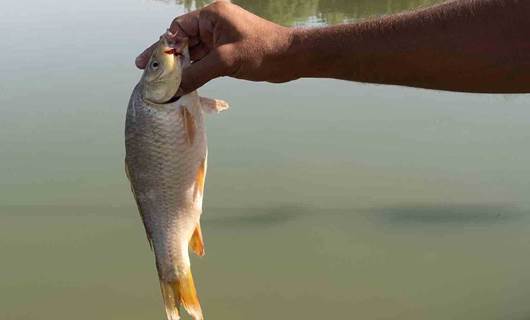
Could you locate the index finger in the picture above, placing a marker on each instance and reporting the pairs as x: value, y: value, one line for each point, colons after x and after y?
x: 188, y: 26
x: 142, y: 60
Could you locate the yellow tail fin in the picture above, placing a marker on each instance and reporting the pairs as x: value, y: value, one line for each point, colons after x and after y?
x: 181, y: 292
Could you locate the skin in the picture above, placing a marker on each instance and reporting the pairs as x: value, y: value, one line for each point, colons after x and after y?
x: 478, y: 46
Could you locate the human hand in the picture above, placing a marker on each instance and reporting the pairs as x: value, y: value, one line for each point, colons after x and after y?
x: 226, y: 40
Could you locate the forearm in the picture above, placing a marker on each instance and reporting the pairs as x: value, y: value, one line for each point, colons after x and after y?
x: 473, y: 46
x: 463, y: 45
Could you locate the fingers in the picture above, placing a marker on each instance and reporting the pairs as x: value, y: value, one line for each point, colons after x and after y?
x: 142, y: 60
x: 217, y: 63
x: 187, y: 25
x: 197, y: 26
x: 198, y: 52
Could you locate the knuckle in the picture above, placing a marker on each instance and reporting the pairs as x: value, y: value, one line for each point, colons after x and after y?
x: 221, y: 4
x: 218, y: 7
x: 221, y: 9
x: 227, y: 58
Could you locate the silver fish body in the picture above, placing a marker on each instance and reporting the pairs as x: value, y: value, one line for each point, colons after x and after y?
x: 164, y: 154
x: 166, y: 151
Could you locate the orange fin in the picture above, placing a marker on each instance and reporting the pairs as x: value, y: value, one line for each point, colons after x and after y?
x: 181, y: 292
x: 213, y: 105
x: 200, y: 178
x: 189, y: 124
x: 197, y: 242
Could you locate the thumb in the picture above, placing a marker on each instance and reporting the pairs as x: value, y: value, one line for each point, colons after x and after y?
x: 217, y: 63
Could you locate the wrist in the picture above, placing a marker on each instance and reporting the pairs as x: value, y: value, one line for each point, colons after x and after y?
x: 326, y: 52
x: 296, y: 57
x: 312, y: 53
x: 280, y: 57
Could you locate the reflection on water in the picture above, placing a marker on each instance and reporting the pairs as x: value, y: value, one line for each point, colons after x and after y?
x: 289, y: 12
x: 461, y: 215
x: 341, y: 261
x: 253, y: 217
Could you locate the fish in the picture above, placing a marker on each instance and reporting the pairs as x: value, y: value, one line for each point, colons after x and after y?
x: 166, y: 162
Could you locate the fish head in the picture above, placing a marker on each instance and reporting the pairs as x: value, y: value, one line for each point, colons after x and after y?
x: 163, y: 74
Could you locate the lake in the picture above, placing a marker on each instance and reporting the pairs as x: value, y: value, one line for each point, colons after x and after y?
x: 324, y: 199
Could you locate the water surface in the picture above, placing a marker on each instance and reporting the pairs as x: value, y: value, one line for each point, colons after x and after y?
x: 324, y: 198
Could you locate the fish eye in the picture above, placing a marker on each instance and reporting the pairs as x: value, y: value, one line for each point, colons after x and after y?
x: 154, y: 65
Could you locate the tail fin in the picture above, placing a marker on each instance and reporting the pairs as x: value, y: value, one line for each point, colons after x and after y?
x: 181, y: 292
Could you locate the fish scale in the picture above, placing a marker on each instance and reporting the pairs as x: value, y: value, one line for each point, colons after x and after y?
x: 166, y: 156
x: 163, y: 166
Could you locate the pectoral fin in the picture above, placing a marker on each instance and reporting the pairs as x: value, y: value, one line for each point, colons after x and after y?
x: 213, y: 105
x: 189, y: 124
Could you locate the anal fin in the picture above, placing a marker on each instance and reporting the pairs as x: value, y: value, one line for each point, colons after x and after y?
x: 197, y: 242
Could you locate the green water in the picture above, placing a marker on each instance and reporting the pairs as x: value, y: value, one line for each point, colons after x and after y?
x: 325, y: 199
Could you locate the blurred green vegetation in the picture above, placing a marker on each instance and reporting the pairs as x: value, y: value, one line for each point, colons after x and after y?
x: 289, y: 12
